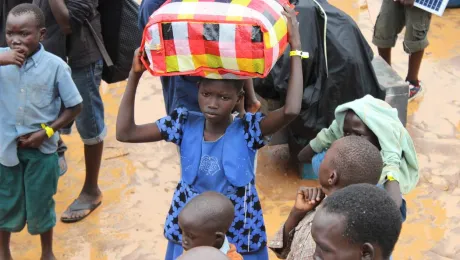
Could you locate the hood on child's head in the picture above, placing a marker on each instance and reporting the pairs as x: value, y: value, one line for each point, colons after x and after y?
x: 376, y: 114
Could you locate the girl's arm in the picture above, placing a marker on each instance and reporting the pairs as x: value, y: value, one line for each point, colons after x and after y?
x: 323, y: 140
x: 279, y: 118
x: 127, y: 130
x: 252, y: 105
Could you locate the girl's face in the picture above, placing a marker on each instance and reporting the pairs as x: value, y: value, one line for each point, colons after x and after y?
x: 217, y: 99
x: 353, y: 125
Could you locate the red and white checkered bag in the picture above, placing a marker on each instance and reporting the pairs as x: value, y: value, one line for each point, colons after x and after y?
x: 215, y: 38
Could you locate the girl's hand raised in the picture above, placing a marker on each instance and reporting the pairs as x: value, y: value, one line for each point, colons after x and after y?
x: 137, y: 66
x: 293, y: 27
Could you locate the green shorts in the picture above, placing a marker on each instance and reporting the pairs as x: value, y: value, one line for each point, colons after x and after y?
x: 391, y: 21
x: 26, y: 192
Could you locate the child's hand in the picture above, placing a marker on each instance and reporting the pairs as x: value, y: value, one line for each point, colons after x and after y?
x: 137, y: 66
x: 12, y: 57
x: 308, y: 198
x: 293, y: 27
x: 34, y: 140
x: 306, y: 155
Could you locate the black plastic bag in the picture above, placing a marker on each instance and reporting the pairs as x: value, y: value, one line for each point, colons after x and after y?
x: 121, y: 37
x: 347, y: 75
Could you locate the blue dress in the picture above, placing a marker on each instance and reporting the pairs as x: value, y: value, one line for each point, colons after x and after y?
x: 248, y: 230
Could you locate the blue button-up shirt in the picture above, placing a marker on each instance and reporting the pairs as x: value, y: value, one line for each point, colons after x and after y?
x: 31, y: 95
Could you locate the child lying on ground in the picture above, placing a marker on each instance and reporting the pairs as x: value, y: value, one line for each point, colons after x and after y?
x: 357, y: 222
x: 32, y: 84
x: 217, y: 151
x: 350, y: 160
x: 378, y: 122
x: 205, y: 220
x: 203, y: 252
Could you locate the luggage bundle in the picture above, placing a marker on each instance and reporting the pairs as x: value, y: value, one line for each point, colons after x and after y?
x: 221, y: 39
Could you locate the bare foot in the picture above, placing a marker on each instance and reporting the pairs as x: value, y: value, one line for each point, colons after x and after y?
x: 48, y: 256
x: 253, y: 106
x: 82, y: 207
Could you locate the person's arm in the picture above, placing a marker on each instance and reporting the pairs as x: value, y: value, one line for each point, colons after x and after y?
x: 392, y: 173
x: 251, y: 103
x: 323, y: 140
x: 68, y: 115
x: 307, y: 199
x: 36, y: 139
x: 275, y: 120
x: 126, y: 130
x: 393, y: 189
x: 61, y: 14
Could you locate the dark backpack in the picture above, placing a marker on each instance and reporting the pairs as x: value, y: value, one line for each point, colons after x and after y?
x: 121, y: 36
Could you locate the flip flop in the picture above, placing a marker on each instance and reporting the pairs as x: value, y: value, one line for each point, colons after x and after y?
x: 62, y: 165
x: 78, y: 206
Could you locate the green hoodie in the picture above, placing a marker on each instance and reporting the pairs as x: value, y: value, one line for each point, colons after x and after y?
x: 398, y: 151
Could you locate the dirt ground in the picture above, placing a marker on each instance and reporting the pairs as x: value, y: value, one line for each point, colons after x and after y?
x: 138, y: 180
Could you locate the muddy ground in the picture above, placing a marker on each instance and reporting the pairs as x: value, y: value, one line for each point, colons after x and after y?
x: 138, y: 180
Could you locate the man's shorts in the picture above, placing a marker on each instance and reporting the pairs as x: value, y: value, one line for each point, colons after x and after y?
x: 391, y: 21
x: 26, y: 192
x: 90, y: 122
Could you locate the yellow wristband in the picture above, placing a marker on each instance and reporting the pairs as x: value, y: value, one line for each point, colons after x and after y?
x: 303, y: 55
x: 49, y: 131
x: 390, y: 178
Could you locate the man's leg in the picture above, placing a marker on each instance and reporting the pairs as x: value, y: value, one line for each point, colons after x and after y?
x: 415, y: 61
x: 385, y: 53
x: 92, y: 129
x: 415, y: 41
x: 388, y: 25
x: 5, y: 253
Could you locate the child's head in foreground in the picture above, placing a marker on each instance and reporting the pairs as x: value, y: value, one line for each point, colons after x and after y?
x: 350, y: 160
x: 218, y: 98
x: 205, y: 220
x: 360, y: 221
x: 203, y: 252
x: 25, y: 28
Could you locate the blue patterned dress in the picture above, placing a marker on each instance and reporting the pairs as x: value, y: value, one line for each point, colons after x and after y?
x: 247, y: 232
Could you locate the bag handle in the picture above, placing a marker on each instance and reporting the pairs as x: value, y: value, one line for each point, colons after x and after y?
x: 100, y: 45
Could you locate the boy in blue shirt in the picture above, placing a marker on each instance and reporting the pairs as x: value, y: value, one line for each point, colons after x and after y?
x: 32, y: 84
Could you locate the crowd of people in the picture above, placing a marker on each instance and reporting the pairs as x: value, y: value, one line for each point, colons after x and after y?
x: 50, y: 73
